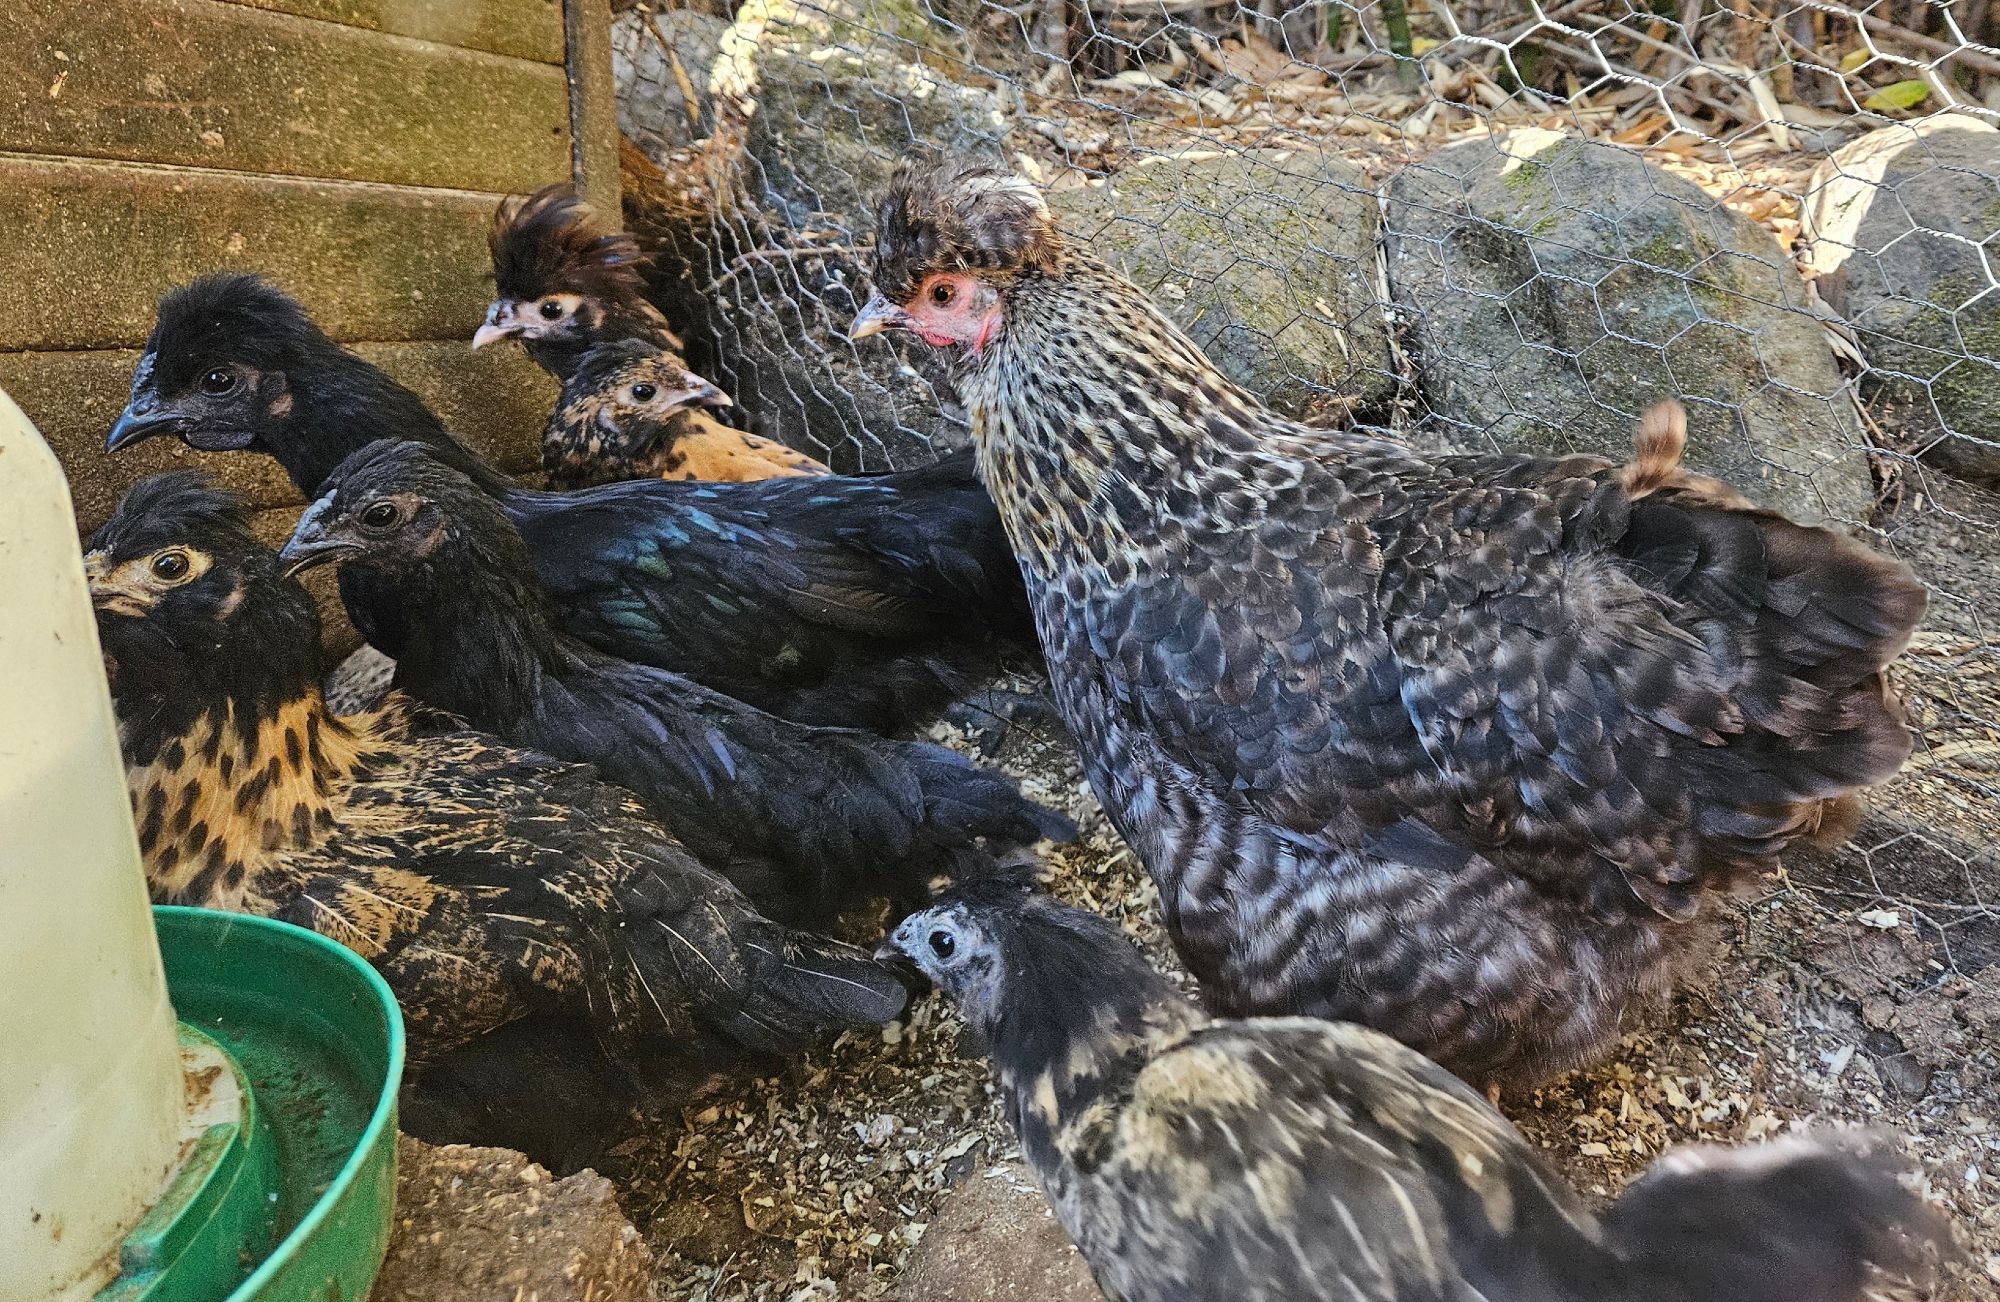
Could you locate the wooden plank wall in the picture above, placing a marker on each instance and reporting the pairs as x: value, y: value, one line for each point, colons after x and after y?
x: 353, y: 150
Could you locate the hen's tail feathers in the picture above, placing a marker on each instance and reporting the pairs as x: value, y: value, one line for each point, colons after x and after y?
x: 1793, y: 1221
x: 1797, y: 624
x: 804, y: 986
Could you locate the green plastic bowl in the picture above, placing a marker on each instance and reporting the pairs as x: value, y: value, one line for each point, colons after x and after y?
x: 318, y: 1036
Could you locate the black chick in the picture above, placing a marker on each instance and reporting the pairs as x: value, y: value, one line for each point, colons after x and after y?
x: 805, y: 819
x: 1274, y: 1159
x: 852, y: 601
x: 523, y: 911
x: 632, y: 411
x: 563, y: 284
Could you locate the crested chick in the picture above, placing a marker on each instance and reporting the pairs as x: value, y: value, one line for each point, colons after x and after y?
x: 1462, y: 748
x: 804, y: 819
x: 522, y: 910
x: 564, y: 284
x: 864, y: 601
x: 632, y: 411
x: 1272, y: 1159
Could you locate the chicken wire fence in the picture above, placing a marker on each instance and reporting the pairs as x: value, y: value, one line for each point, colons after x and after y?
x: 1479, y: 224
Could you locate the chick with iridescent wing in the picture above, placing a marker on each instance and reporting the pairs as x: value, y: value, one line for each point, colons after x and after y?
x: 865, y: 601
x: 805, y: 819
x: 1463, y: 748
x: 558, y: 956
x: 1278, y: 1159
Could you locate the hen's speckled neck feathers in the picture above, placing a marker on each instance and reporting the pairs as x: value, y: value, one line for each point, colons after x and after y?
x: 1107, y: 437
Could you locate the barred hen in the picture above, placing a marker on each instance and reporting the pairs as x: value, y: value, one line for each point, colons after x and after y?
x: 1461, y: 748
x: 805, y: 820
x: 864, y: 601
x: 524, y: 912
x: 1274, y: 1159
x: 632, y: 411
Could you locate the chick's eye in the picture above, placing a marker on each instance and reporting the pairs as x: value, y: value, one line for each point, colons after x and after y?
x: 218, y: 381
x: 943, y: 944
x: 643, y: 392
x: 943, y: 293
x: 551, y: 309
x: 170, y: 567
x: 379, y: 515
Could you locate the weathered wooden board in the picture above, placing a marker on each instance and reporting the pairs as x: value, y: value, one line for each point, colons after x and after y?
x: 368, y: 261
x: 212, y: 84
x: 526, y: 29
x: 495, y: 399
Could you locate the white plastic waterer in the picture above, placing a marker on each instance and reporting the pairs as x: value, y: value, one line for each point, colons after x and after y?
x: 91, y: 1091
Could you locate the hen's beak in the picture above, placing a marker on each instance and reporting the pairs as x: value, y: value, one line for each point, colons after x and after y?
x: 876, y: 315
x: 143, y: 418
x: 500, y: 324
x: 313, y: 544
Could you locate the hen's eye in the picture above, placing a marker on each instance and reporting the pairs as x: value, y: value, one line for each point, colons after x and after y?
x: 643, y: 392
x: 218, y: 381
x: 551, y: 309
x: 379, y: 515
x: 943, y: 292
x: 943, y: 944
x: 170, y: 567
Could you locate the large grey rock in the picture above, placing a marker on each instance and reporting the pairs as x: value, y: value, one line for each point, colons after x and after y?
x: 1902, y: 226
x: 833, y: 94
x: 994, y: 1240
x: 475, y: 1224
x: 1557, y: 287
x: 1266, y: 259
x: 653, y: 104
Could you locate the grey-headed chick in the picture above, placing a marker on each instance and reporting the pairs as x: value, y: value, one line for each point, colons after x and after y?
x: 1276, y: 1159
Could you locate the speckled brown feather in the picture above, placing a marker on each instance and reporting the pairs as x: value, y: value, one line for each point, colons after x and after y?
x: 489, y: 884
x: 599, y: 433
x: 1459, y: 748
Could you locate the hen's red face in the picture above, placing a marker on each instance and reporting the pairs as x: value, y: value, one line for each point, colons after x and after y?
x: 948, y: 309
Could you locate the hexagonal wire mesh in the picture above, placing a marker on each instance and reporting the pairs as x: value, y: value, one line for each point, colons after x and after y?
x: 1481, y: 224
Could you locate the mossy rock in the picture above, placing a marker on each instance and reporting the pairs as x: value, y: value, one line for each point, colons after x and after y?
x: 1557, y: 287
x: 1900, y: 218
x: 1266, y: 259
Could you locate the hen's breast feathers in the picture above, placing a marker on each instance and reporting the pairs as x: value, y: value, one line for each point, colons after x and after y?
x: 1521, y: 654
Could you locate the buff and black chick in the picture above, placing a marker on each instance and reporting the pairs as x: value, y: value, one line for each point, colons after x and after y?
x: 804, y: 819
x: 852, y: 601
x: 632, y: 411
x: 558, y: 956
x: 1274, y: 1159
x: 1462, y: 748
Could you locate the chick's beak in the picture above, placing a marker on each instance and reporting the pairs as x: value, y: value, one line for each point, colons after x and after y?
x: 876, y: 315
x: 697, y: 392
x: 500, y: 324
x: 143, y: 418
x: 108, y: 595
x: 313, y: 543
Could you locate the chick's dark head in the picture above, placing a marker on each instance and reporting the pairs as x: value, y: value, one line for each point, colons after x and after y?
x: 192, y: 611
x: 214, y: 371
x: 948, y: 241
x: 556, y: 270
x: 392, y: 507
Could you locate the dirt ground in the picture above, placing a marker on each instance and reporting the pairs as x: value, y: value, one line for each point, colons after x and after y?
x: 1858, y: 987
